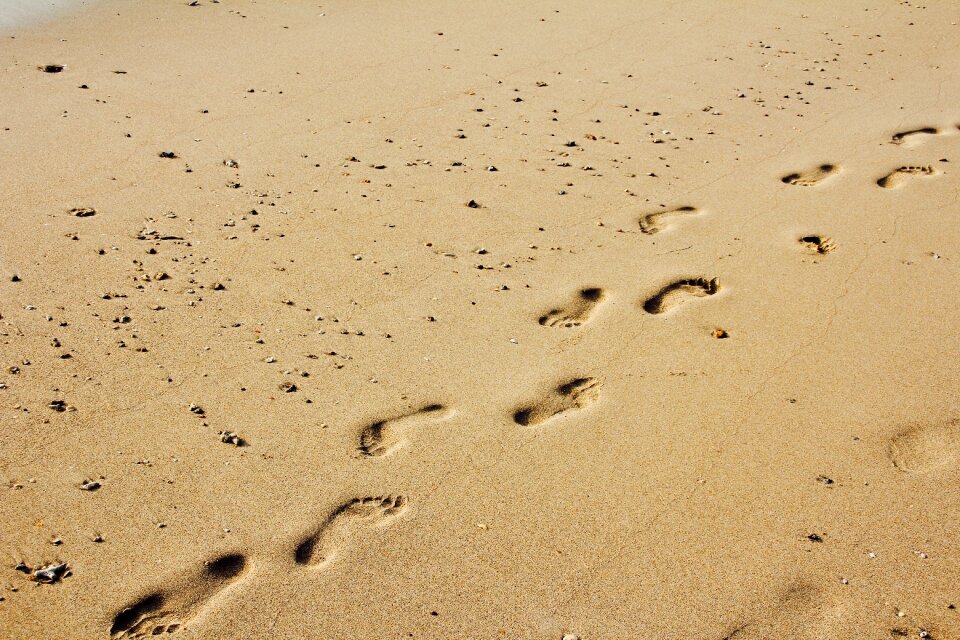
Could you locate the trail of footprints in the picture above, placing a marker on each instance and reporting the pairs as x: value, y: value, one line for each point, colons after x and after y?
x: 166, y: 611
x: 893, y: 179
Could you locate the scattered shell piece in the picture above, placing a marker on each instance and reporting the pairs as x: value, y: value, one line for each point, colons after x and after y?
x: 47, y: 574
x: 83, y: 212
x: 230, y: 437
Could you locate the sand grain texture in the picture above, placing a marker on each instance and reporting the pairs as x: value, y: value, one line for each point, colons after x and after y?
x: 402, y: 320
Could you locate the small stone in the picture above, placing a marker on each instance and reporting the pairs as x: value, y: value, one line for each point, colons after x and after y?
x: 90, y: 485
x: 288, y: 387
x: 58, y: 405
x: 473, y: 204
x: 168, y: 154
x: 83, y: 212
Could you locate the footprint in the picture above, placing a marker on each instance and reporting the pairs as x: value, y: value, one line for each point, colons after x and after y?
x: 811, y: 177
x: 818, y: 244
x: 575, y: 394
x: 901, y: 174
x: 655, y: 222
x: 926, y: 448
x: 385, y: 437
x: 674, y: 294
x: 575, y: 313
x: 914, y: 136
x: 320, y: 547
x: 803, y: 611
x: 166, y: 611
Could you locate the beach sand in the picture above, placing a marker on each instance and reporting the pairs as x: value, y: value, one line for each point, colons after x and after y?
x: 481, y: 320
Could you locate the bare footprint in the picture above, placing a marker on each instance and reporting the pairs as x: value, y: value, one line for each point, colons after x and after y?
x: 818, y: 244
x: 171, y: 609
x: 811, y: 177
x: 656, y: 222
x: 320, y: 547
x: 575, y: 394
x: 926, y: 448
x: 577, y: 312
x: 386, y: 436
x: 802, y: 612
x: 674, y: 294
x: 900, y: 175
x: 914, y: 136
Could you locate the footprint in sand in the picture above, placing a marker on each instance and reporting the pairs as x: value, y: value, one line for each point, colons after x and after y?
x: 901, y: 175
x: 811, y: 177
x: 914, y: 136
x: 926, y: 448
x: 386, y: 436
x: 576, y: 312
x: 172, y: 609
x: 575, y: 394
x: 320, y: 547
x: 675, y: 293
x: 817, y: 244
x: 658, y: 221
x: 802, y: 612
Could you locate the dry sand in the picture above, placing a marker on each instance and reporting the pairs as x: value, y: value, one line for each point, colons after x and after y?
x: 684, y: 365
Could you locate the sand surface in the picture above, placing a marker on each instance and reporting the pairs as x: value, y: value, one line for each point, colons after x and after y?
x: 481, y: 320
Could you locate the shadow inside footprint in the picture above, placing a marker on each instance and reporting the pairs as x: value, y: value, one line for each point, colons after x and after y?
x: 575, y: 394
x: 321, y: 546
x: 576, y: 312
x: 168, y: 610
x: 818, y: 244
x: 674, y: 294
